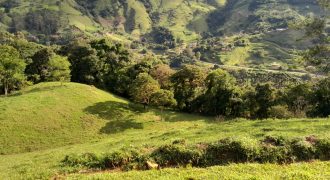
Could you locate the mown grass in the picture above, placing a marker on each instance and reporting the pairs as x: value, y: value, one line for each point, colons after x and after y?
x: 42, y: 124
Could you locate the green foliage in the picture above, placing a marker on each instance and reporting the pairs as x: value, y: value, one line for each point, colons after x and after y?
x: 44, y: 21
x: 163, y: 36
x: 225, y: 151
x: 47, y: 66
x: 304, y: 149
x: 222, y: 96
x: 321, y: 98
x: 162, y: 74
x: 298, y: 98
x: 59, y: 69
x: 11, y: 69
x: 123, y: 160
x: 323, y: 149
x: 188, y: 84
x: 176, y: 156
x: 97, y: 62
x: 142, y: 89
x: 163, y: 98
x: 231, y: 150
x: 280, y: 112
x: 264, y: 98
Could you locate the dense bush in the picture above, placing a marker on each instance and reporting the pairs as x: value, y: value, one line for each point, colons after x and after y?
x: 303, y: 149
x: 231, y: 151
x: 174, y: 155
x: 323, y: 149
x: 271, y: 149
x: 122, y: 160
x: 88, y: 160
x: 280, y: 112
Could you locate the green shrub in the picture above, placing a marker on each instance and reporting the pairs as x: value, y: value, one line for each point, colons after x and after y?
x: 88, y: 160
x: 303, y: 150
x: 275, y: 140
x: 173, y: 155
x: 115, y: 160
x: 323, y: 149
x: 275, y: 154
x: 280, y: 112
x: 231, y: 151
x: 275, y: 149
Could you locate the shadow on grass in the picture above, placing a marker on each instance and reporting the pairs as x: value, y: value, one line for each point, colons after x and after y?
x: 35, y: 90
x: 173, y: 116
x: 120, y: 116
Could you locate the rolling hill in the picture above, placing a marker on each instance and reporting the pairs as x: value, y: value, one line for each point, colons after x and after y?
x: 187, y: 19
x: 264, y: 24
x: 43, y: 123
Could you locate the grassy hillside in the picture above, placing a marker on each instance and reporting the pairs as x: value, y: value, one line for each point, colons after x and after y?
x: 52, y: 115
x: 186, y: 19
x: 45, y: 122
x: 315, y: 170
x: 264, y: 23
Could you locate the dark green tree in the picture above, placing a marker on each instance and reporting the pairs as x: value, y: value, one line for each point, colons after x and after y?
x: 321, y: 99
x: 188, y: 84
x: 222, y: 97
x: 298, y: 99
x: 264, y: 97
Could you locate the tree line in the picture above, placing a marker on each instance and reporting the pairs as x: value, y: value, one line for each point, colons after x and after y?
x: 152, y: 82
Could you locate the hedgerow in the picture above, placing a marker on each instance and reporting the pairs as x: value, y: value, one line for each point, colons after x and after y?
x: 229, y: 150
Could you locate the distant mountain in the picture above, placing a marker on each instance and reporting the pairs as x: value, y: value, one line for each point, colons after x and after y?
x: 187, y: 19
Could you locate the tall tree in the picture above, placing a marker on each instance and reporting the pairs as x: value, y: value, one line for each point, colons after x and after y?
x: 38, y: 69
x: 162, y: 73
x: 59, y: 69
x: 298, y: 98
x: 188, y: 84
x: 321, y: 98
x: 265, y: 96
x: 11, y: 68
x: 162, y: 99
x: 143, y: 87
x: 222, y: 96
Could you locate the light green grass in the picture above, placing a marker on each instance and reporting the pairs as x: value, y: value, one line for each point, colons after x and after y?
x: 299, y: 171
x: 48, y: 121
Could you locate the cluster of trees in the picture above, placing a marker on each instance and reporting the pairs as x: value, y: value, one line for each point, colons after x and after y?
x: 150, y: 81
x: 191, y: 88
x: 23, y: 63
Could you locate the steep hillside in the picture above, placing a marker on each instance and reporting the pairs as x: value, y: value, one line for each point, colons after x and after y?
x: 52, y: 115
x: 187, y: 19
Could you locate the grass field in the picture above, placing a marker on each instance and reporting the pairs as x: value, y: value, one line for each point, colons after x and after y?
x: 45, y: 122
x: 316, y: 170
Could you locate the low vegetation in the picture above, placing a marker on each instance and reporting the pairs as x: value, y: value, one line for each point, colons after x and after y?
x: 231, y: 150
